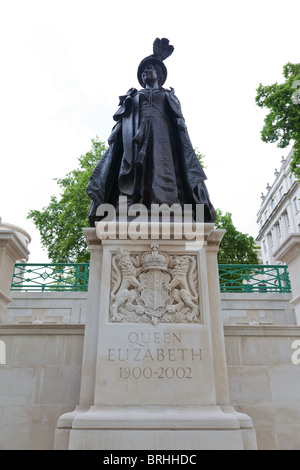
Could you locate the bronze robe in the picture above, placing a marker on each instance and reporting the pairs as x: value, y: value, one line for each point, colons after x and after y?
x: 150, y: 158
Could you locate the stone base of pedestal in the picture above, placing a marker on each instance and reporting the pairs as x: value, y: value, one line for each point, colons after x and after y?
x: 154, y: 372
x: 159, y: 428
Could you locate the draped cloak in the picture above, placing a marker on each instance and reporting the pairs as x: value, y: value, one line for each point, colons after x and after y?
x: 150, y: 158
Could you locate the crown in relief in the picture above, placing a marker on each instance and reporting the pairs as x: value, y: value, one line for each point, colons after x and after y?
x: 155, y: 259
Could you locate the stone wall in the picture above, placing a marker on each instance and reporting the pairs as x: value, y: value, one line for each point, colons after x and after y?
x: 70, y: 308
x: 257, y: 309
x: 264, y: 382
x: 47, y: 307
x: 40, y: 367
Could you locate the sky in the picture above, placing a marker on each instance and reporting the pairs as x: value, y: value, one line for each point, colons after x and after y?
x: 65, y: 63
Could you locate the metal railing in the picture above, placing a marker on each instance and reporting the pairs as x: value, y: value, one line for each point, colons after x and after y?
x: 254, y: 278
x: 74, y: 277
x: 50, y: 277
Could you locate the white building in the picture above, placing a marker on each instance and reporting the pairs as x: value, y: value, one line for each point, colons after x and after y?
x: 279, y: 213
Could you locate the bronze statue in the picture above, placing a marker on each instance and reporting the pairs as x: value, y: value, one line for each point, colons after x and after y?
x: 150, y: 158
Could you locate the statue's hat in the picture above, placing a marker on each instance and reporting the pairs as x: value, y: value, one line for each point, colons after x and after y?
x: 161, y: 50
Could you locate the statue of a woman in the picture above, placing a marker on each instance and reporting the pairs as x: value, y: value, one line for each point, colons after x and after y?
x: 150, y: 158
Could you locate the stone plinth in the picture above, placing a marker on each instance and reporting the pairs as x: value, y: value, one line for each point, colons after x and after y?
x: 12, y: 248
x: 289, y: 253
x: 154, y: 372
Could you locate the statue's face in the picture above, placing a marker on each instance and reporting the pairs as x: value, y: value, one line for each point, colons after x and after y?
x: 149, y: 74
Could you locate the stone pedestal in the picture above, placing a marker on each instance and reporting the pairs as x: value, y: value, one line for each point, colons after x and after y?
x: 289, y: 253
x: 154, y: 371
x: 12, y: 248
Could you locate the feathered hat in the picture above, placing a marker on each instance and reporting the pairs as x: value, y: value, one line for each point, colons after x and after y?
x: 161, y: 50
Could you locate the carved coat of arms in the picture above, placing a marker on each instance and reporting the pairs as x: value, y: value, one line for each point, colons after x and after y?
x: 154, y: 287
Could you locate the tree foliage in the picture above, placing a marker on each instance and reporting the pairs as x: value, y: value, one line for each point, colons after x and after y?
x: 200, y: 157
x: 282, y: 123
x: 236, y: 247
x: 60, y: 223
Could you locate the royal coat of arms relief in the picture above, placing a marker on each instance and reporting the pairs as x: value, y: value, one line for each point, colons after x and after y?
x: 154, y: 286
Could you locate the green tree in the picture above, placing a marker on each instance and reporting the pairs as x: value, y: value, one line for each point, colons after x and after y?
x: 200, y: 157
x: 60, y: 223
x: 282, y: 123
x: 236, y: 247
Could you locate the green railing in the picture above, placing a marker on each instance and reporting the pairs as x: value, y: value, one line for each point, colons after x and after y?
x: 254, y: 278
x: 50, y: 277
x: 74, y: 277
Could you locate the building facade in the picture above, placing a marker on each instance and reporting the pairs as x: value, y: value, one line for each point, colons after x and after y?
x: 279, y: 213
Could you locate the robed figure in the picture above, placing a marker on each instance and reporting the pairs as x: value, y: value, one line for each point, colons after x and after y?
x: 150, y: 158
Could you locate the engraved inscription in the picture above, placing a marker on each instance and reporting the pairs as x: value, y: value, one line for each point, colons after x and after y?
x: 154, y: 287
x: 153, y: 352
x: 138, y: 354
x: 160, y: 373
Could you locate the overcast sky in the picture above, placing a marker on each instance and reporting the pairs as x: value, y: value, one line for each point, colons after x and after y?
x: 64, y: 64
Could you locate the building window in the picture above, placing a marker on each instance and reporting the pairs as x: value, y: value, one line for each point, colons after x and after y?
x: 287, y: 219
x: 281, y: 191
x: 266, y: 215
x: 264, y: 246
x: 296, y: 204
x: 278, y: 229
x: 273, y: 204
x: 270, y: 236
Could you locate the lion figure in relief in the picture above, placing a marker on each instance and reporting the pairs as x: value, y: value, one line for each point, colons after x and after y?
x: 125, y: 284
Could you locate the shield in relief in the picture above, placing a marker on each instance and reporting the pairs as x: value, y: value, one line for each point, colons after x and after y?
x: 154, y: 293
